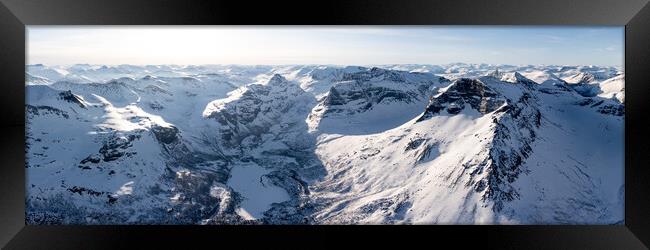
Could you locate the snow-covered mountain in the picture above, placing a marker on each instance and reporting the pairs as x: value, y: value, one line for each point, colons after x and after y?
x: 323, y: 144
x: 361, y: 102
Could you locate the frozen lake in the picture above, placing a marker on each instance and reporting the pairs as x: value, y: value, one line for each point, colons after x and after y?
x: 258, y: 193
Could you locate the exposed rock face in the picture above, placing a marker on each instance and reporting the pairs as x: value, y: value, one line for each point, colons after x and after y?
x: 166, y: 135
x: 464, y: 91
x: 581, y: 78
x: 70, y: 97
x: 257, y: 108
x: 368, y: 95
x: 603, y: 106
x: 115, y: 147
x: 334, y: 98
x: 514, y: 133
x: 612, y: 109
x: 38, y: 110
x: 375, y: 74
x: 264, y: 126
x: 379, y: 86
x: 371, y: 97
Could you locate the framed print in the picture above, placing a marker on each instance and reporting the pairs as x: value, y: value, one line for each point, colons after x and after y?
x: 184, y: 123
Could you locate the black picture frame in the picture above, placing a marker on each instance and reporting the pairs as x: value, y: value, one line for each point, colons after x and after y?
x: 16, y: 14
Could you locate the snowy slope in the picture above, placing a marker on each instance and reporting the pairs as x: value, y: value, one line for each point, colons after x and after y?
x: 488, y: 161
x: 324, y: 144
x: 105, y: 150
x: 613, y: 88
x: 88, y: 152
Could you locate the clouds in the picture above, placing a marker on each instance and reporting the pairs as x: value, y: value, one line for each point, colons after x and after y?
x: 611, y: 48
x: 345, y: 45
x: 552, y: 38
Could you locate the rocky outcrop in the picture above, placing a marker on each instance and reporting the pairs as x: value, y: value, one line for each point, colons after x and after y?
x: 257, y: 108
x: 376, y: 74
x: 379, y: 86
x: 377, y: 99
x: 72, y: 98
x: 38, y: 110
x: 115, y: 147
x: 514, y: 133
x: 165, y: 134
x: 603, y: 106
x: 463, y: 92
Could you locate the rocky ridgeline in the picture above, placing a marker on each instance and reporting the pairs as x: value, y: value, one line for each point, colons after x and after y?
x: 464, y: 91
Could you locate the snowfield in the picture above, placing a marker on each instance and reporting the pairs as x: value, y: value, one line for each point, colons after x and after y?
x: 324, y: 144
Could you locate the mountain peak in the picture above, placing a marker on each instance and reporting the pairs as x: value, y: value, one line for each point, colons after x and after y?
x: 148, y: 77
x: 580, y: 78
x: 376, y: 73
x: 464, y: 91
x: 496, y: 74
x: 511, y: 77
x: 277, y: 79
x: 516, y: 77
x: 544, y: 77
x: 72, y: 98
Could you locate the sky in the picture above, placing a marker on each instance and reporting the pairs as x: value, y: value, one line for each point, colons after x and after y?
x: 337, y: 45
